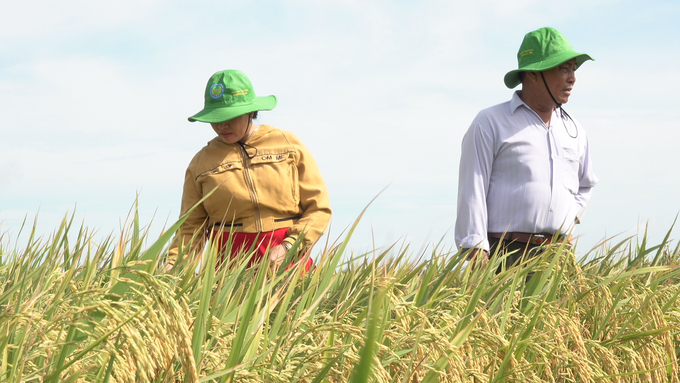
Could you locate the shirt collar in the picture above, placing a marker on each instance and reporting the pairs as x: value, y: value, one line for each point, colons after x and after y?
x: 516, y: 102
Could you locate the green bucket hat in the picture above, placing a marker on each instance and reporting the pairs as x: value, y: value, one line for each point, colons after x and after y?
x: 230, y: 94
x: 541, y: 50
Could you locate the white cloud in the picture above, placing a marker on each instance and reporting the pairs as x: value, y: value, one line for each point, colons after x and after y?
x: 46, y: 20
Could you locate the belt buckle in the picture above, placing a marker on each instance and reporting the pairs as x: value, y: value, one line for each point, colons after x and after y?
x: 537, y: 239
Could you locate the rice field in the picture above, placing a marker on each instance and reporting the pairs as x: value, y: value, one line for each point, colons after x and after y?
x: 72, y: 310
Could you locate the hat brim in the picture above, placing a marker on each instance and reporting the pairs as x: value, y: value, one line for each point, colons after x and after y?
x: 225, y: 113
x: 511, y: 78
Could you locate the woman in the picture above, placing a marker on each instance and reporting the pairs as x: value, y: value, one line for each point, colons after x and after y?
x: 268, y: 194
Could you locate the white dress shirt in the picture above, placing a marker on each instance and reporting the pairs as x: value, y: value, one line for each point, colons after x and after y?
x: 518, y: 175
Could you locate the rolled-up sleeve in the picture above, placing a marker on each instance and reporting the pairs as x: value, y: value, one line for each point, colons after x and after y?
x: 473, y: 184
x: 587, y: 180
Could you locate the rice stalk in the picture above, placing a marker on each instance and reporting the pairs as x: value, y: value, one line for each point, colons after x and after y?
x: 75, y: 310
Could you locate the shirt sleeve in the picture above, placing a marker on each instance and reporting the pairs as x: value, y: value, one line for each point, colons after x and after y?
x: 192, y: 230
x: 587, y: 180
x: 314, y: 201
x: 473, y: 184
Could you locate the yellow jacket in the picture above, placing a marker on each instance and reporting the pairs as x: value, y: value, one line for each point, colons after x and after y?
x: 268, y: 183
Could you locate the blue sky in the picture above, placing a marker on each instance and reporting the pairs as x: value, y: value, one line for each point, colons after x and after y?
x: 94, y: 99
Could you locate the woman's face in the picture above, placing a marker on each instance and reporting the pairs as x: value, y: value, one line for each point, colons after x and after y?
x: 232, y: 131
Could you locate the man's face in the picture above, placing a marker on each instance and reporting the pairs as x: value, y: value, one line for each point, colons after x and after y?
x: 561, y: 80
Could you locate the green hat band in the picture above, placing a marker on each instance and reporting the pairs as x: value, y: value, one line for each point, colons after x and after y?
x: 541, y: 50
x: 230, y: 94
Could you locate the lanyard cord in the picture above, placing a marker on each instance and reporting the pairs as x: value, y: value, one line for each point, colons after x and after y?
x: 244, y: 145
x: 562, y: 111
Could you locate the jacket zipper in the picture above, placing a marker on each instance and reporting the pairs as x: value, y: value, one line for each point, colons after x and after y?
x: 251, y: 188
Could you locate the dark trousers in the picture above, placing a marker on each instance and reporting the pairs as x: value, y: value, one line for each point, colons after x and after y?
x: 513, y: 251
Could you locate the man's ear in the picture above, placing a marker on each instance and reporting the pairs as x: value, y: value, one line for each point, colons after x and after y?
x: 532, y: 76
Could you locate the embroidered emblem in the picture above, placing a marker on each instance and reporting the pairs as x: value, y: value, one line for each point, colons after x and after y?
x: 216, y: 91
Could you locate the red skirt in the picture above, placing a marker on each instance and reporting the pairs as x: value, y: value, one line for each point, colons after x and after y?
x: 259, y: 243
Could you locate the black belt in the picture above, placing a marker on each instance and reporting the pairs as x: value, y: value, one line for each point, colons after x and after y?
x: 530, y: 238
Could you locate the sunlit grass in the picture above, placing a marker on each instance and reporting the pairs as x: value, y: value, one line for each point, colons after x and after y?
x: 72, y: 310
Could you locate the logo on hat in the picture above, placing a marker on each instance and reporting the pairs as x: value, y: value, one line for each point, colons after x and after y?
x: 241, y: 92
x: 216, y: 91
x: 526, y: 52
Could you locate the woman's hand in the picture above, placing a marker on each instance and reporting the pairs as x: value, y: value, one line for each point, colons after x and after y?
x: 276, y: 256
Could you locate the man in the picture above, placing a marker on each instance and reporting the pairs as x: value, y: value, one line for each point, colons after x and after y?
x: 525, y: 169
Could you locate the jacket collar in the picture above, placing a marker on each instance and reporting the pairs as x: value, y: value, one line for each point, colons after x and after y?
x: 259, y: 133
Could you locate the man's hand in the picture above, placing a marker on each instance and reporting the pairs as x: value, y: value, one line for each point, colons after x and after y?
x: 477, y: 257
